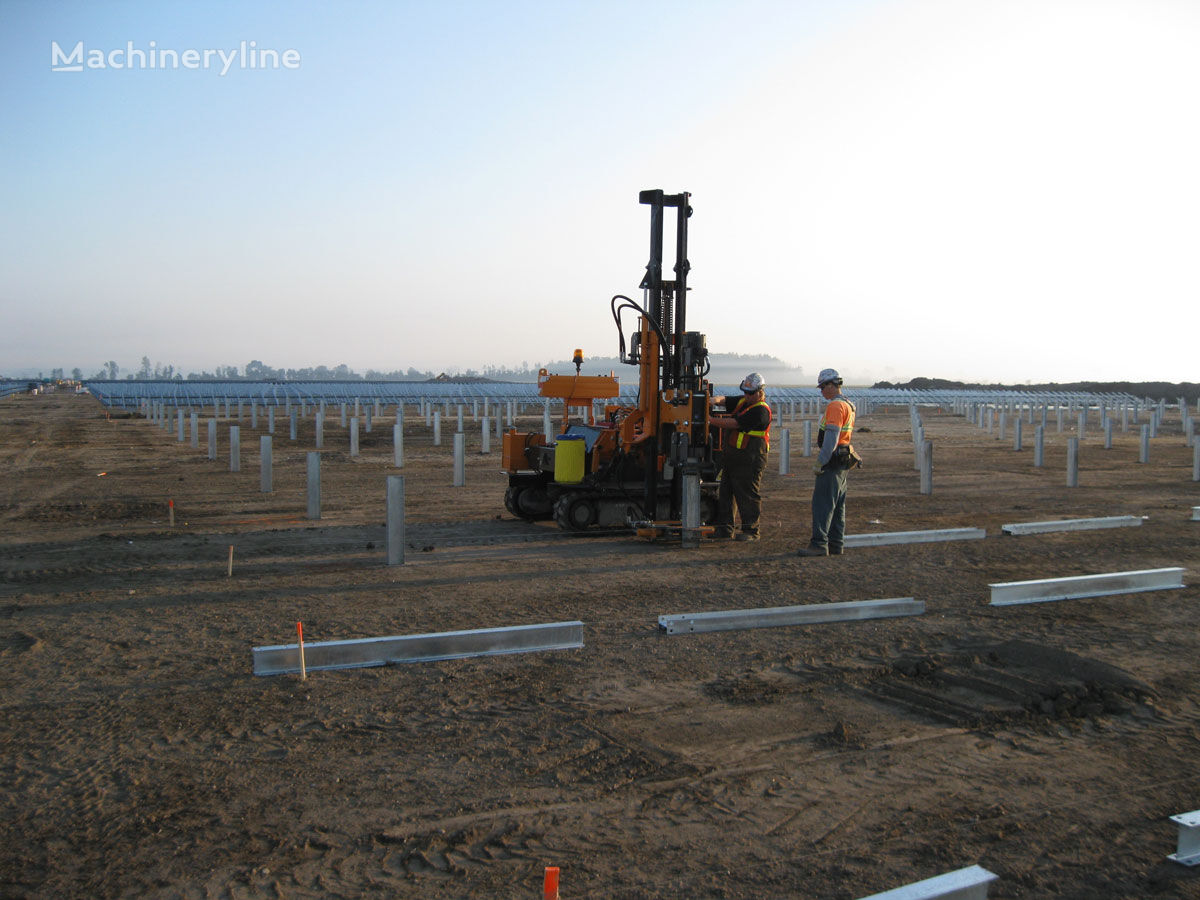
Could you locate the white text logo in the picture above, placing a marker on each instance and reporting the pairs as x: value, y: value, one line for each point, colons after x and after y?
x: 247, y: 55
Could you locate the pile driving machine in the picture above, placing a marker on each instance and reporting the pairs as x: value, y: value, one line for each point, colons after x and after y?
x: 631, y: 467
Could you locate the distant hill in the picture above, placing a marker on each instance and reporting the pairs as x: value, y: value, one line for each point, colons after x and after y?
x: 1153, y: 390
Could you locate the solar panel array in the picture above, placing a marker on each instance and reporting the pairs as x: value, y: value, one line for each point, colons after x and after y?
x: 13, y: 387
x: 187, y: 394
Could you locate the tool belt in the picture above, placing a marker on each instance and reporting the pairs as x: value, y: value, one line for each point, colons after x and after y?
x: 845, y: 457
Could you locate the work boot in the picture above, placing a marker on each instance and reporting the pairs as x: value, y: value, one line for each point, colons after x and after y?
x: 835, y: 551
x: 812, y: 550
x: 720, y: 535
x: 746, y: 536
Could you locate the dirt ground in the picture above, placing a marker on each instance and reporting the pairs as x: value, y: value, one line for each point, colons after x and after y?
x: 1048, y: 743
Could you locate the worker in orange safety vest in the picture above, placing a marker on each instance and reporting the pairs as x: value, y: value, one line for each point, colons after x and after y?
x: 743, y: 458
x: 835, y: 458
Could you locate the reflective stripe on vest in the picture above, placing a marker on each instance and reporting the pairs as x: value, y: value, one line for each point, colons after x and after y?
x: 765, y: 434
x: 844, y: 431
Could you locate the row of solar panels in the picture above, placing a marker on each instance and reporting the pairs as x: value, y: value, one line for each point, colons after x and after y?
x: 131, y: 394
x: 13, y: 387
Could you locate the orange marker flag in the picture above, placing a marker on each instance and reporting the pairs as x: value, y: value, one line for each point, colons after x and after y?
x: 300, y: 636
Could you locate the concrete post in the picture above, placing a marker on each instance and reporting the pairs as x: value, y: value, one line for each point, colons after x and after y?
x: 1017, y: 434
x: 437, y: 429
x: 1144, y: 456
x: 395, y: 520
x: 354, y: 436
x: 547, y: 425
x: 486, y: 435
x: 195, y: 430
x: 1196, y: 461
x: 785, y: 456
x: 179, y: 436
x: 270, y: 420
x: 806, y: 450
x: 319, y: 423
x: 314, y: 484
x: 926, y: 467
x: 1108, y: 426
x: 264, y: 452
x: 212, y: 438
x: 1073, y: 462
x: 398, y: 444
x: 1039, y: 446
x: 293, y: 424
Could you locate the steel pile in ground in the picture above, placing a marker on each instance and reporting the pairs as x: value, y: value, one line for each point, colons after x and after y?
x: 1078, y: 586
x: 1072, y: 525
x: 365, y: 652
x: 813, y: 614
x: 914, y: 537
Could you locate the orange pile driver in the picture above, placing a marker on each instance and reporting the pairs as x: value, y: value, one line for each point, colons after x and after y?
x: 629, y: 467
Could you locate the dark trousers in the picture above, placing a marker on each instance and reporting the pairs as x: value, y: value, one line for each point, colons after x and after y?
x: 829, y: 509
x: 741, y: 480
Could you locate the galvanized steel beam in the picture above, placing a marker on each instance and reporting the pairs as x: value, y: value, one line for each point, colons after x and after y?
x: 970, y: 883
x: 813, y: 614
x: 1188, y: 849
x: 364, y: 652
x: 914, y: 537
x: 1041, y: 591
x: 1072, y: 525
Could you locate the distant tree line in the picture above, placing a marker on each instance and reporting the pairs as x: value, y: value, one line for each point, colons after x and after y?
x: 1153, y: 390
x: 726, y: 367
x: 257, y: 370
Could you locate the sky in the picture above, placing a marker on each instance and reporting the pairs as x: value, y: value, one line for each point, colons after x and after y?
x: 1000, y: 191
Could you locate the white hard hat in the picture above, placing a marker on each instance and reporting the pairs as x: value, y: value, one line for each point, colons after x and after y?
x: 828, y: 375
x: 752, y: 382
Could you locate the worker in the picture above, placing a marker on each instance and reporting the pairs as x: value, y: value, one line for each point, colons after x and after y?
x: 835, y: 457
x: 743, y: 457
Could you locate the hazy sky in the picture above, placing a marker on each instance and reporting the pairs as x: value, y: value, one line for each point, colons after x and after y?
x: 985, y: 190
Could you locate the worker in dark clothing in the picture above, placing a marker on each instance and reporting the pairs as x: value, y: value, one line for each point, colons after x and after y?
x: 744, y: 457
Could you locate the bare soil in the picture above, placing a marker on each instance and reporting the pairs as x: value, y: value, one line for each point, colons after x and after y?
x: 1048, y: 743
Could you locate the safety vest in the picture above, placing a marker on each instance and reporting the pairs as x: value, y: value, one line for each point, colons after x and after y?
x: 765, y: 434
x: 845, y: 430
